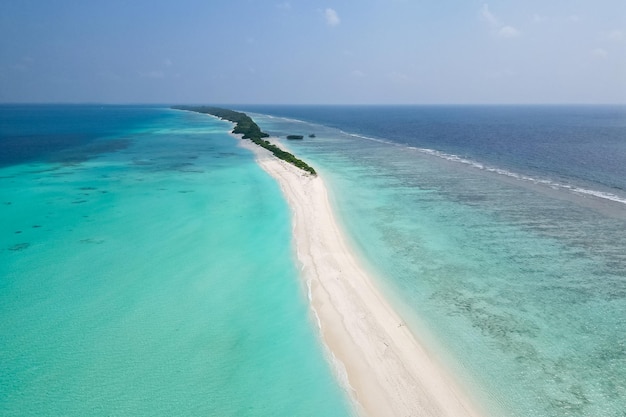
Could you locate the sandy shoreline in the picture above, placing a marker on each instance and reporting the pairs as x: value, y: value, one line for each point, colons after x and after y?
x: 388, y: 372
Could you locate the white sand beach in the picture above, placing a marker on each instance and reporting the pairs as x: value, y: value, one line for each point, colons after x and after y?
x: 387, y: 372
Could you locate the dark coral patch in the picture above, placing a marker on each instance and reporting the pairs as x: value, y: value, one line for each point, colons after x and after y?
x: 92, y: 241
x: 19, y: 247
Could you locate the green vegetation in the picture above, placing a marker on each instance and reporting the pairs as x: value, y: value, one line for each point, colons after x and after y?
x: 245, y: 126
x: 295, y: 137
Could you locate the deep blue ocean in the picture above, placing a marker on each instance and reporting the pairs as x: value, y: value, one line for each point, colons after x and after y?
x: 498, y: 231
x: 584, y: 145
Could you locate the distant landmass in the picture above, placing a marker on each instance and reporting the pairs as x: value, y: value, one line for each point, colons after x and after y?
x: 245, y: 126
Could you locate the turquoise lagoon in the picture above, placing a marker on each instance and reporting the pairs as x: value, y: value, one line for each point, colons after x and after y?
x: 146, y: 268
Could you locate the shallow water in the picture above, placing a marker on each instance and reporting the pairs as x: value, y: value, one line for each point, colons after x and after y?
x: 153, y: 278
x: 517, y: 284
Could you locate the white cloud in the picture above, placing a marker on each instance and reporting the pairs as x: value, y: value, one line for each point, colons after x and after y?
x: 599, y: 53
x: 400, y: 78
x: 537, y: 18
x: 332, y: 18
x: 614, y: 36
x: 488, y: 16
x: 508, y: 32
x: 499, y: 28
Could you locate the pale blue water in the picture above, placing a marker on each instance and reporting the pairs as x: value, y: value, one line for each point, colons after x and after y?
x: 500, y: 233
x: 146, y: 269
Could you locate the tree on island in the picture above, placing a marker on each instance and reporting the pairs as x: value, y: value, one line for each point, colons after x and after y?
x: 245, y: 126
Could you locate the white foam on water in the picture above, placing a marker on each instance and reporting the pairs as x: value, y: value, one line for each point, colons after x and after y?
x: 522, y: 177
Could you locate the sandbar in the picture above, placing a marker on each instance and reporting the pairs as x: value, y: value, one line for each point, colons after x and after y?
x: 380, y: 363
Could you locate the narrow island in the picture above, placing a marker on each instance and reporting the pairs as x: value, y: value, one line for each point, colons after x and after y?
x: 295, y: 137
x: 245, y: 126
x: 383, y: 368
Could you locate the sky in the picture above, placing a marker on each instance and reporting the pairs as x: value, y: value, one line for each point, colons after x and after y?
x: 313, y: 51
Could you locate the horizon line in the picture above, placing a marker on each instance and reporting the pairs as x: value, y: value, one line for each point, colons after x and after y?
x: 197, y: 103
